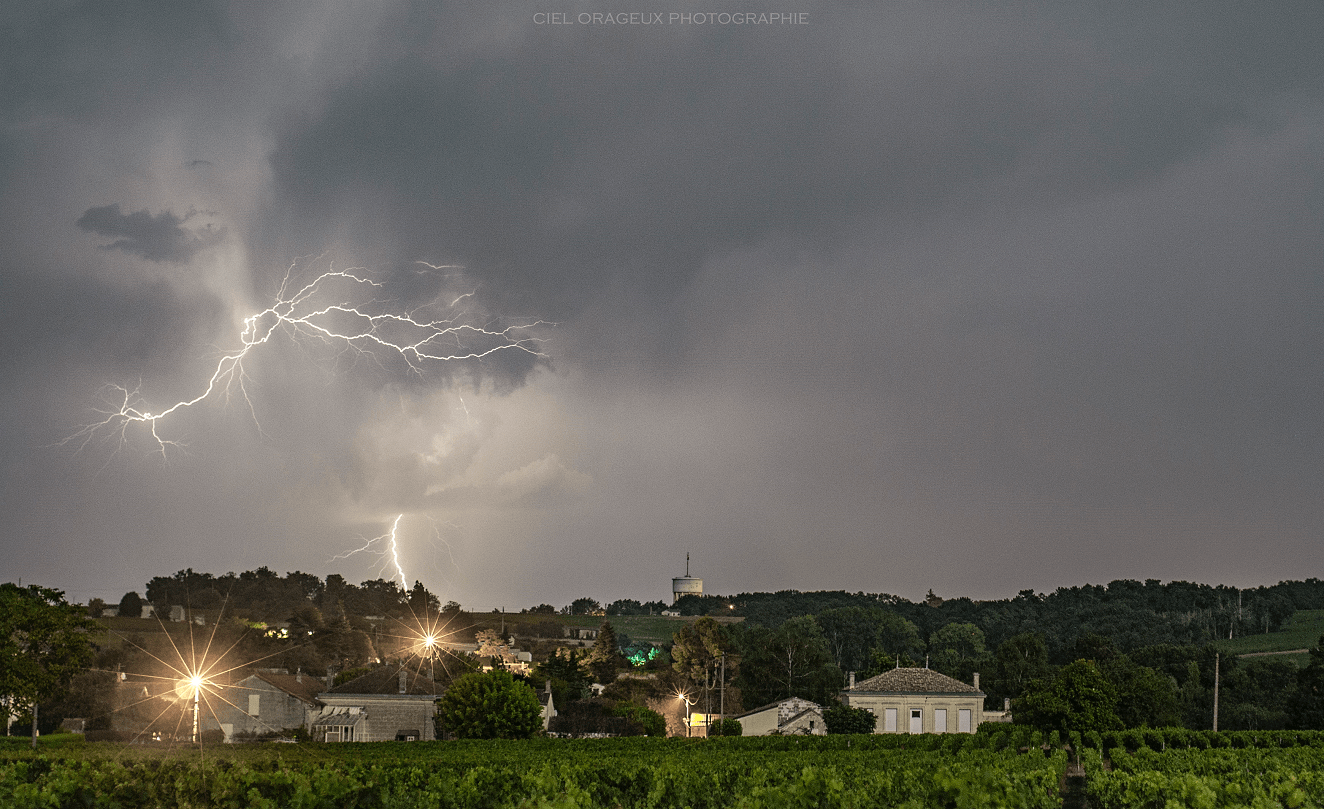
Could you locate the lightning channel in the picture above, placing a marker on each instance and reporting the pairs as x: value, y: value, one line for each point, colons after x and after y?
x: 338, y: 308
x: 385, y: 545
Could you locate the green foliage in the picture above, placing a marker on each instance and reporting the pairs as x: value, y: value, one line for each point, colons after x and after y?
x: 790, y: 661
x: 697, y: 652
x: 955, y: 643
x: 131, y: 605
x: 1248, y: 776
x: 842, y: 719
x: 490, y: 706
x: 726, y: 727
x: 605, y: 658
x: 44, y: 642
x: 1019, y: 660
x: 565, y: 671
x: 1078, y: 698
x: 651, y: 722
x: 853, y: 633
x: 1307, y: 706
x: 755, y: 773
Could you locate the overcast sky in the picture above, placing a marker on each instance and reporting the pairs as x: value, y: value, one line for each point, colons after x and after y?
x: 888, y: 297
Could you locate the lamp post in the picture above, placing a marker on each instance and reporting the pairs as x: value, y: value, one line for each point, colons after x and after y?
x: 191, y: 688
x: 688, y: 704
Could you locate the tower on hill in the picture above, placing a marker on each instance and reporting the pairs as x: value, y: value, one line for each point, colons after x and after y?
x: 686, y: 585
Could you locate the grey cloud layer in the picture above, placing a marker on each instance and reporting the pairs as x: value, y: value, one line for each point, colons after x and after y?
x: 835, y: 303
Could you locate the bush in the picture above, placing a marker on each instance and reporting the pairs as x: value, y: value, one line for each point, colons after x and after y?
x: 493, y: 705
x: 840, y: 719
x: 649, y: 722
x: 726, y: 727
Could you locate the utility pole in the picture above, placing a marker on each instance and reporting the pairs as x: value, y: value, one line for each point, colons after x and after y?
x: 1215, y: 692
x: 721, y: 699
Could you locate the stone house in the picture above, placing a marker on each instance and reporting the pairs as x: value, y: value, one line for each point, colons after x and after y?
x: 790, y: 716
x: 390, y: 703
x: 267, y: 702
x: 914, y: 700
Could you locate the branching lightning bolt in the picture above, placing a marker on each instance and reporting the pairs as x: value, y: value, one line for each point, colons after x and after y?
x: 365, y: 328
x: 391, y: 552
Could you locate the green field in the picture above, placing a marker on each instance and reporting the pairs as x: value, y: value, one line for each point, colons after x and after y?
x: 654, y: 773
x: 1302, y: 631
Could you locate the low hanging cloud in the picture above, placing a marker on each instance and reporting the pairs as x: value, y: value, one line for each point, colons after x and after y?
x: 156, y: 238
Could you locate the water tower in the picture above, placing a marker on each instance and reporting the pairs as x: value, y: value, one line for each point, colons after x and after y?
x: 686, y: 585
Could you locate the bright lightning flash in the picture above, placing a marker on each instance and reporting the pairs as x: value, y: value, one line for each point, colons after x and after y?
x: 391, y: 554
x: 334, y: 310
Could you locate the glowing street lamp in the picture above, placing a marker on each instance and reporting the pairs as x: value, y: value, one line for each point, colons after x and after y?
x: 688, y: 704
x: 190, y: 688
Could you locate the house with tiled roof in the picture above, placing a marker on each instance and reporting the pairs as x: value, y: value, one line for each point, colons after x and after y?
x: 914, y: 700
x: 265, y: 703
x: 390, y: 703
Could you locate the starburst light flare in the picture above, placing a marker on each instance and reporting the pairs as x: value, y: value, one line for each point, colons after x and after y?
x: 339, y: 309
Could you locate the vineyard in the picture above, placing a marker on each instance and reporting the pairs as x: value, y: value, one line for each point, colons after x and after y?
x: 1005, y: 766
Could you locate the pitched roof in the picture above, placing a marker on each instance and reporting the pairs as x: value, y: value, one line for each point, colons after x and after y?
x: 785, y: 708
x: 915, y: 681
x: 386, y: 680
x: 301, y: 687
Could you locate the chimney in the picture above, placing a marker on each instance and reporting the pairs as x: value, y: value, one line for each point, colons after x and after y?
x: 403, y: 676
x: 330, y: 678
x: 850, y: 680
x: 298, y: 674
x: 1006, y: 704
x: 976, y: 681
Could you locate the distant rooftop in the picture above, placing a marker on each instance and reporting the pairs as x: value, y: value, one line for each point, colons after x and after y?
x: 915, y: 681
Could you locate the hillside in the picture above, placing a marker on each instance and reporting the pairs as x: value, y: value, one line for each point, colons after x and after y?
x: 1301, y: 631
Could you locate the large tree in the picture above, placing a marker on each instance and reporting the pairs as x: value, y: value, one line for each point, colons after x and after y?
x: 1307, y: 707
x: 493, y: 705
x: 792, y: 661
x: 697, y: 651
x: 853, y: 633
x: 605, y: 658
x: 131, y: 605
x: 1079, y: 698
x: 1019, y: 660
x: 44, y: 642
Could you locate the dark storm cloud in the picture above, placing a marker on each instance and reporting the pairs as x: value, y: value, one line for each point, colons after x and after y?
x: 156, y: 238
x: 569, y: 160
x: 836, y: 303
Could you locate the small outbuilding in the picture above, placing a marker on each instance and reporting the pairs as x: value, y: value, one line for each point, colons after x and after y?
x: 790, y: 716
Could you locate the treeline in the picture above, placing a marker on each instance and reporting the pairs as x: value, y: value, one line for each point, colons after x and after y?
x: 265, y: 595
x: 1129, y: 613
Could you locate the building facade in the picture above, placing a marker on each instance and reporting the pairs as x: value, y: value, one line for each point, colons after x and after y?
x: 267, y: 703
x: 790, y: 716
x: 913, y: 700
x: 388, y: 704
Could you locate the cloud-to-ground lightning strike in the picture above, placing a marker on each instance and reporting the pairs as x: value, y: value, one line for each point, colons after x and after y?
x: 392, y: 551
x: 366, y: 328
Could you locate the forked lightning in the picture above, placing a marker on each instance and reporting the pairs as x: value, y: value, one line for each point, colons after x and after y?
x: 355, y: 321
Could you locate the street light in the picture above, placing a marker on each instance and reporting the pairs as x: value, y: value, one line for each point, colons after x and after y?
x: 190, y: 688
x: 688, y: 703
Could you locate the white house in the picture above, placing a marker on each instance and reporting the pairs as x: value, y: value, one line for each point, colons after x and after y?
x: 913, y: 700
